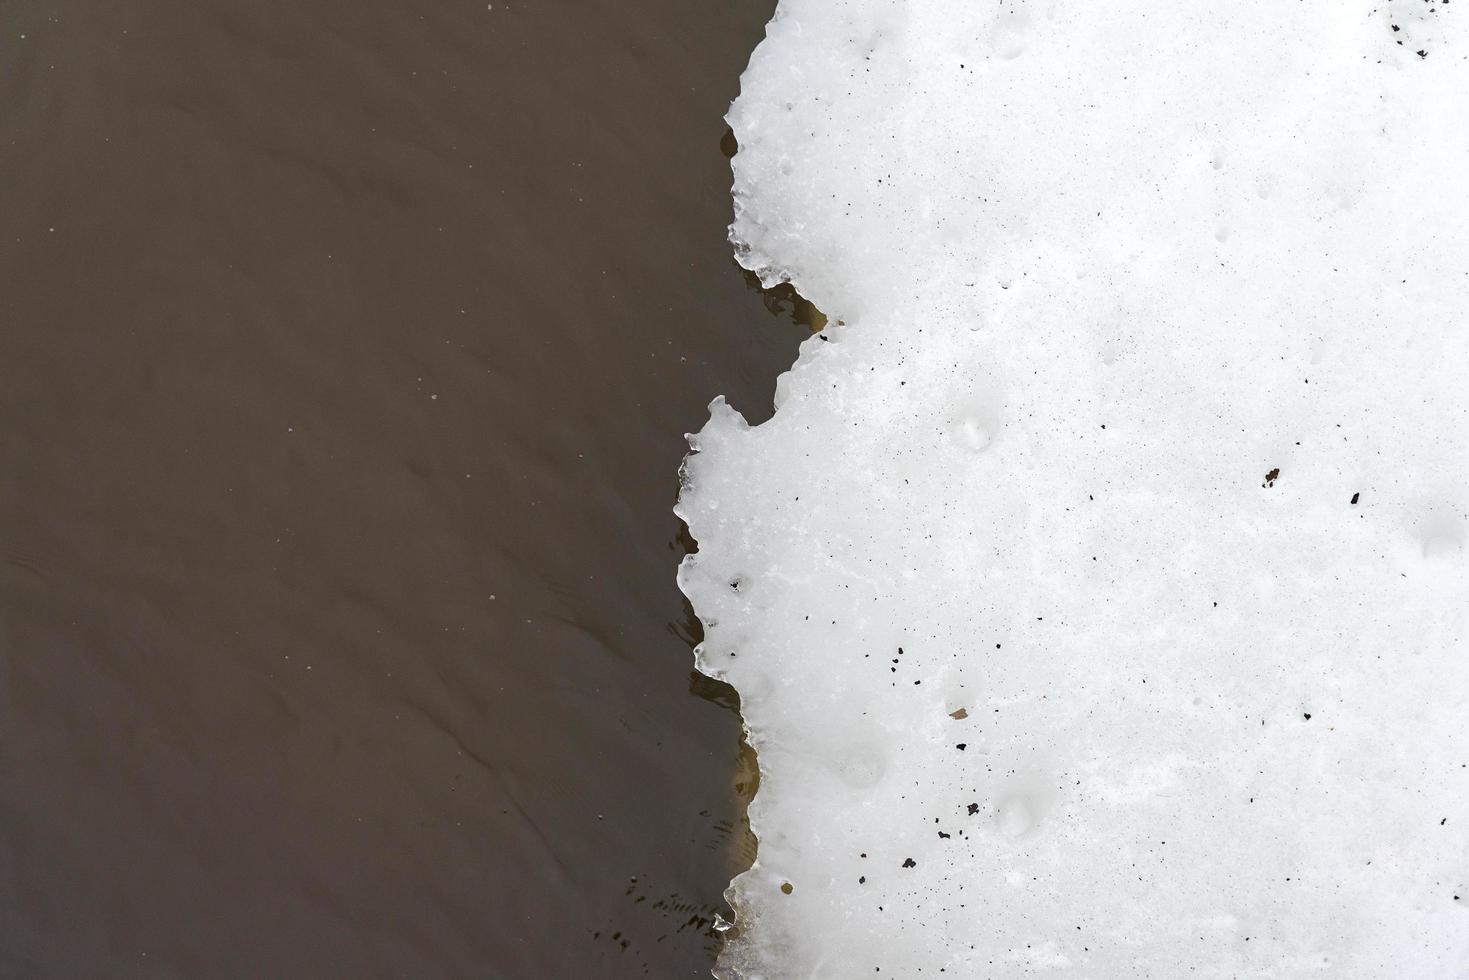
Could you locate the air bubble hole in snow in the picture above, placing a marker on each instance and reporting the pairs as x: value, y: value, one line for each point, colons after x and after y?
x: 975, y: 433
x: 1014, y: 816
x: 1442, y: 537
x: 1010, y: 33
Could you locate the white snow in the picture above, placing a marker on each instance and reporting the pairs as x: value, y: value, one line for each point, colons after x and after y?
x: 1101, y: 268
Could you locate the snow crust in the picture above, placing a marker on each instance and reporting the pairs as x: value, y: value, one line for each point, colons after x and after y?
x: 1096, y: 595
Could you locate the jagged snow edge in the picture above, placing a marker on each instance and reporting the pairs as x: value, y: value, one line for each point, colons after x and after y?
x: 770, y: 274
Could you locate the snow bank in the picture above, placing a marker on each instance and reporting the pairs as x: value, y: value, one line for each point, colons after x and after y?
x: 1097, y: 593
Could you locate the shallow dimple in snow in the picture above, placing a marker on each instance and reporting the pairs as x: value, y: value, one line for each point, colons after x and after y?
x: 1137, y: 470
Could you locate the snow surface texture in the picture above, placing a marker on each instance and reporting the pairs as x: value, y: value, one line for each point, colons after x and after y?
x: 1141, y: 450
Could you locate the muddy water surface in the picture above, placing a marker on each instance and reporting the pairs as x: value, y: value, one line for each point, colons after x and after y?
x: 346, y: 350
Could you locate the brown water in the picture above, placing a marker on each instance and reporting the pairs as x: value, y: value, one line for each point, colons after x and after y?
x: 346, y: 350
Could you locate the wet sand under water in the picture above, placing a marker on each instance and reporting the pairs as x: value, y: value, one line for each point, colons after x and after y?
x: 346, y: 352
